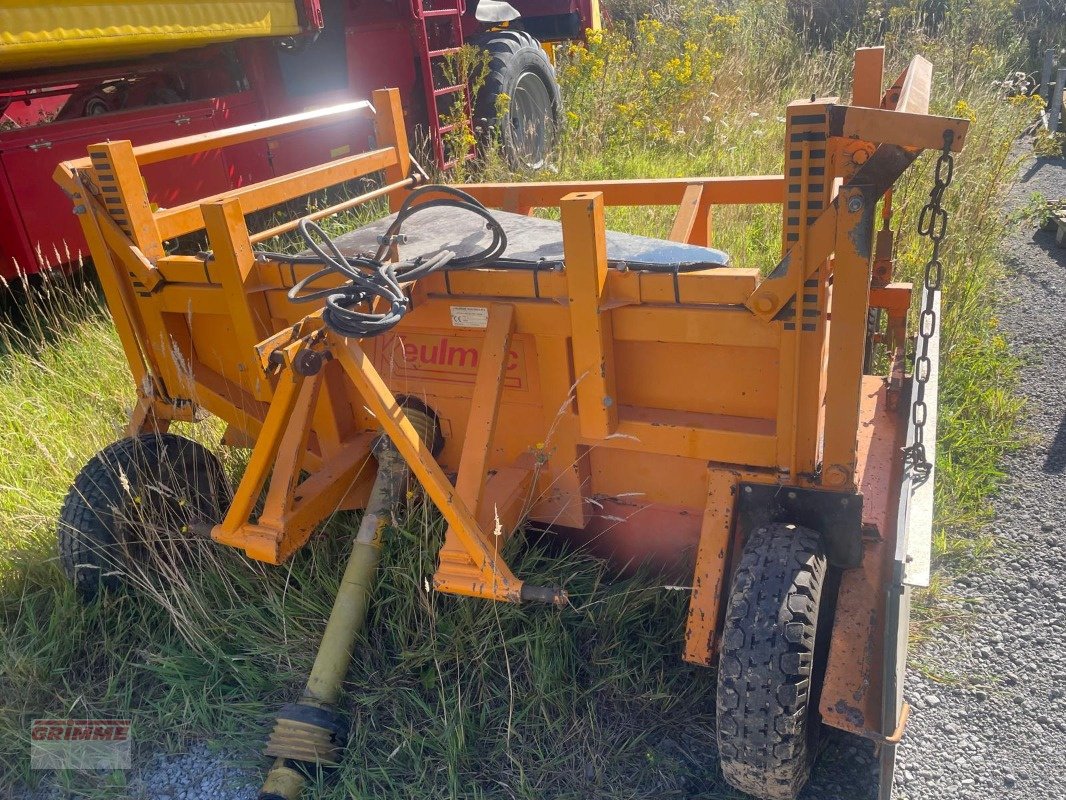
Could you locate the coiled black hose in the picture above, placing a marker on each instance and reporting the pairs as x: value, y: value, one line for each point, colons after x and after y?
x: 349, y: 308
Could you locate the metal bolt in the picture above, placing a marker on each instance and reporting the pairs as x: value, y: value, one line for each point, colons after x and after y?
x: 765, y: 304
x: 855, y: 204
x: 791, y: 495
x: 747, y: 490
x: 835, y: 475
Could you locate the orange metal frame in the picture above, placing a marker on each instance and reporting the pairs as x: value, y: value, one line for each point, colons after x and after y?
x: 632, y: 407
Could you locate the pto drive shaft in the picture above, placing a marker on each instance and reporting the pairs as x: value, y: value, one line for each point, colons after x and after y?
x: 311, y: 733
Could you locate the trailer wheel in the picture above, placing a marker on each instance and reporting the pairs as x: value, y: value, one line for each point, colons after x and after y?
x: 519, y: 69
x: 767, y: 729
x: 132, y: 509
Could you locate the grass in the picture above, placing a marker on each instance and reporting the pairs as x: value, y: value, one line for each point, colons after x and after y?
x: 456, y: 698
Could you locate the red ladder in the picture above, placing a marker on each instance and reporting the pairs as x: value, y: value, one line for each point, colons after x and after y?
x: 440, y: 32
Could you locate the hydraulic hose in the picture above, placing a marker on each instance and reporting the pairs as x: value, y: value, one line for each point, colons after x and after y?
x: 349, y: 308
x: 372, y: 299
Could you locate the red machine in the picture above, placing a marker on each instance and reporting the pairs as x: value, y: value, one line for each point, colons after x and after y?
x: 341, y: 50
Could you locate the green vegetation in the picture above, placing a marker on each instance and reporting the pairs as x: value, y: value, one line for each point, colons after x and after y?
x: 462, y: 698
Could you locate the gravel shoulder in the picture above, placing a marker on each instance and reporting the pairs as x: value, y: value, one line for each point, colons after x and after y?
x: 993, y: 724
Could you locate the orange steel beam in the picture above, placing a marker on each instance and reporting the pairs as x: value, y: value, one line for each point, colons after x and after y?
x: 710, y: 574
x: 913, y: 131
x: 326, y: 489
x: 851, y: 695
x: 717, y: 286
x: 389, y: 131
x: 851, y: 286
x: 454, y: 572
x: 867, y: 75
x: 623, y: 290
x: 893, y: 297
x: 592, y: 340
x: 337, y: 208
x: 205, y: 298
x: 499, y: 582
x: 125, y: 195
x: 262, y: 459
x: 262, y: 540
x: 692, y: 223
x: 769, y: 189
x: 485, y: 404
x: 186, y: 218
x: 123, y: 202
x: 116, y: 239
x: 652, y: 312
x: 119, y: 295
x: 234, y: 263
x: 137, y: 265
x: 810, y: 165
x: 199, y: 142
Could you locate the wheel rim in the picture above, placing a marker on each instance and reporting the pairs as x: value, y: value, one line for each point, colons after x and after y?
x: 531, y: 120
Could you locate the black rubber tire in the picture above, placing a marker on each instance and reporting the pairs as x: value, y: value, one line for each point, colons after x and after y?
x: 525, y: 137
x: 136, y: 501
x: 767, y: 727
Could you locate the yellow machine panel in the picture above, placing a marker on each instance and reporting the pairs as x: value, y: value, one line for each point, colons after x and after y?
x: 35, y: 35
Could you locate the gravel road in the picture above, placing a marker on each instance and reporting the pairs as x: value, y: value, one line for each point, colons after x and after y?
x: 995, y: 726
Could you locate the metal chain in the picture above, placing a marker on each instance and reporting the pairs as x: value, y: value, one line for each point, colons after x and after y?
x: 932, y: 223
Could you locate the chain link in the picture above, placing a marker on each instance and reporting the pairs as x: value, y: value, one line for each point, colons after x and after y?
x: 933, y: 224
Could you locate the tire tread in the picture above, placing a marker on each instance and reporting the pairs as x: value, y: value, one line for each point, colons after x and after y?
x: 84, y: 531
x: 766, y: 662
x: 506, y: 48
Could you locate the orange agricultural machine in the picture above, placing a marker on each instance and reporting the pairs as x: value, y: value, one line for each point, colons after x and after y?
x: 644, y: 397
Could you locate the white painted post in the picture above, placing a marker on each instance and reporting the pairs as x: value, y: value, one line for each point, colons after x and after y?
x: 1056, y: 102
x: 1044, y: 89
